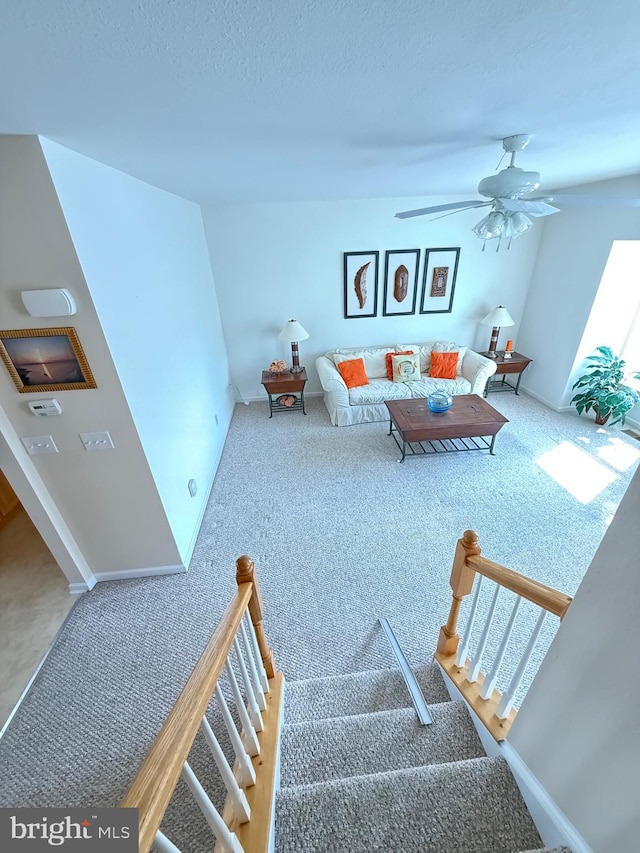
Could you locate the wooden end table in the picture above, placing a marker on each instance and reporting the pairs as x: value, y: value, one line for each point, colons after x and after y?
x: 285, y: 383
x: 518, y: 363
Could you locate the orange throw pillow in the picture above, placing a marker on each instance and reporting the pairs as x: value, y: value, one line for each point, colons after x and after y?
x: 388, y: 358
x: 443, y: 365
x: 353, y: 373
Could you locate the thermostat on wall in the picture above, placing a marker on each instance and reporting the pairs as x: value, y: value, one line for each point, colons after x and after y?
x: 45, y: 408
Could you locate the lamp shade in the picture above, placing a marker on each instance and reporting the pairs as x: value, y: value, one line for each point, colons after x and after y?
x: 293, y: 331
x: 498, y: 317
x: 491, y: 226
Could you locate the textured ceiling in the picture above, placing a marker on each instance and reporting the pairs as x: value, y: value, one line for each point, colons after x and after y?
x: 283, y: 99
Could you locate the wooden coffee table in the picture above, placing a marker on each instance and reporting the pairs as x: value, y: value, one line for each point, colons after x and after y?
x: 470, y: 424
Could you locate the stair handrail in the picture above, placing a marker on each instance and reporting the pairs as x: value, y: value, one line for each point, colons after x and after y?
x: 495, y: 711
x: 154, y: 784
x: 550, y: 599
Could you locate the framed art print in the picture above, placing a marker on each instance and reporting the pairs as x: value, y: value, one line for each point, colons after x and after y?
x: 400, y: 282
x: 45, y: 360
x: 360, y: 284
x: 439, y: 280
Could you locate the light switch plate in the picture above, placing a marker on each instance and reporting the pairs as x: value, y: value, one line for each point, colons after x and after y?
x: 37, y: 444
x: 96, y: 440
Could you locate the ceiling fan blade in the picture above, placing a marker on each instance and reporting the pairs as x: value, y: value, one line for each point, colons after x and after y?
x: 456, y: 205
x: 530, y: 206
x: 453, y: 212
x: 590, y: 200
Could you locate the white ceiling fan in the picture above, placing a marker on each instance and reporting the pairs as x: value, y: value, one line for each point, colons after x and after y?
x: 510, y: 196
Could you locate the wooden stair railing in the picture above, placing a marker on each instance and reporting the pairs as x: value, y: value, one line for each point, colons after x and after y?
x: 493, y: 708
x: 245, y: 823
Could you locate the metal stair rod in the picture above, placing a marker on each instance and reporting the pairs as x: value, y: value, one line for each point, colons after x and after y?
x: 164, y: 845
x: 417, y: 697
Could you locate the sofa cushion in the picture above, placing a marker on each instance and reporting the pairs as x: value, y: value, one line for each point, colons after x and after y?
x: 443, y: 365
x: 447, y: 346
x: 353, y: 372
x: 426, y: 349
x: 427, y: 386
x: 374, y: 360
x: 379, y: 390
x: 388, y: 358
x: 406, y: 368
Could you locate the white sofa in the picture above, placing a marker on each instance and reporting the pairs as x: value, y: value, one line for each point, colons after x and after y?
x: 365, y: 403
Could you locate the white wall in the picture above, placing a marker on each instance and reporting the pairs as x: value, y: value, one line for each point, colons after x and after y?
x: 573, y: 254
x: 18, y: 468
x: 144, y: 256
x: 108, y: 500
x: 579, y: 727
x: 273, y: 262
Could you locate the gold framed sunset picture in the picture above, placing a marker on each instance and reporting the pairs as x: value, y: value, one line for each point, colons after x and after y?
x: 45, y: 360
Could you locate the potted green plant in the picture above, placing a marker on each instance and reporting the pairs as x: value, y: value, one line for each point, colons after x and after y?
x: 603, y: 388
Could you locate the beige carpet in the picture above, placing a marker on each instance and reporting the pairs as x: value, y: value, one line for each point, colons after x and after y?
x: 34, y: 601
x: 341, y: 534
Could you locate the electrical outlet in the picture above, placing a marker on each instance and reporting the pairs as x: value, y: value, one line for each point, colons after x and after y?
x: 37, y: 444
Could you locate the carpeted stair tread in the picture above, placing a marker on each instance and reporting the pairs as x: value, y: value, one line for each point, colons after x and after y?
x: 358, y: 693
x: 320, y: 750
x: 471, y: 806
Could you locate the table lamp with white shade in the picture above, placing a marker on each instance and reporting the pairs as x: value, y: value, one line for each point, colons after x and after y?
x: 497, y: 318
x: 292, y: 333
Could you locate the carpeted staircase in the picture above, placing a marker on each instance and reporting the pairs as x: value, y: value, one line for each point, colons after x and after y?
x: 359, y: 773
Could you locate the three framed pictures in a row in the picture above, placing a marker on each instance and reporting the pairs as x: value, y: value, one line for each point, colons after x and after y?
x: 400, y: 292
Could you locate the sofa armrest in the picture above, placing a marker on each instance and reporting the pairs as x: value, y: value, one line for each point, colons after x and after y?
x: 332, y: 381
x: 477, y: 369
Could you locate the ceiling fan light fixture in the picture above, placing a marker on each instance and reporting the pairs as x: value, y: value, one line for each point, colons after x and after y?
x: 516, y: 224
x: 511, y: 201
x: 491, y: 226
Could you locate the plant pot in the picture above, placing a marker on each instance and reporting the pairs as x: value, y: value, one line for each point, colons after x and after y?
x: 601, y: 419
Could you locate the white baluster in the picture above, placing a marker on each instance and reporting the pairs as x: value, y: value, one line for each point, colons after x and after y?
x: 252, y: 705
x: 490, y: 681
x: 255, y: 678
x: 463, y: 648
x: 506, y: 703
x: 243, y: 768
x: 241, y: 808
x: 249, y: 738
x: 164, y: 845
x: 476, y: 662
x: 228, y: 840
x: 264, y: 679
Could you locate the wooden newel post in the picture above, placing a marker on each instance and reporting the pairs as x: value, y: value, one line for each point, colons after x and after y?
x: 461, y: 584
x: 246, y: 573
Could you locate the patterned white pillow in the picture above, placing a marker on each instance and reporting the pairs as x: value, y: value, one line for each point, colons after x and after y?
x: 406, y: 368
x: 424, y: 351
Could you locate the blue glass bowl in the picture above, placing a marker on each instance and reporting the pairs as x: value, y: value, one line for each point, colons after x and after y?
x: 439, y: 401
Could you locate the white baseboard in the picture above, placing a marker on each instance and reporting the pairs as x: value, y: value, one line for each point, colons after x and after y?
x: 555, y: 828
x: 151, y: 571
x: 633, y: 423
x: 79, y: 588
x: 541, y: 399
